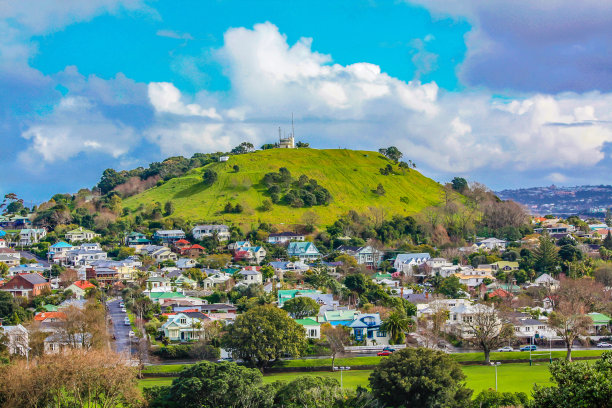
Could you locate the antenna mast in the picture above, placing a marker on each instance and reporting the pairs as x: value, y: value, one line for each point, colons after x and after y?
x: 292, y: 128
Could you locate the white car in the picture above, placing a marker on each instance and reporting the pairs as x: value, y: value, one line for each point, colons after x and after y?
x: 603, y: 344
x: 504, y: 349
x: 126, y: 321
x: 123, y: 309
x: 121, y: 304
x: 131, y: 333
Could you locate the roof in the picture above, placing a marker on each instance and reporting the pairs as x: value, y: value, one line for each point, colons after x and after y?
x: 182, y: 241
x: 33, y: 278
x: 307, y: 322
x: 503, y: 264
x: 361, y: 320
x: 301, y: 247
x: 166, y: 295
x: 599, y: 318
x: 408, y: 257
x: 49, y: 315
x: 80, y: 231
x: 61, y: 244
x: 50, y: 308
x: 336, y: 315
x: 83, y: 284
x: 285, y: 234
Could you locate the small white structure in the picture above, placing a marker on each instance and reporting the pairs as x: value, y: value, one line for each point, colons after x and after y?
x: 224, y: 158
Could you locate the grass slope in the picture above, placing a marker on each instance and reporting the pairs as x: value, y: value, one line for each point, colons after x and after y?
x: 349, y: 175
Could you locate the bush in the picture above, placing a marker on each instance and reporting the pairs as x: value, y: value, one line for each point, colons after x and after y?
x: 495, y: 399
x: 173, y: 352
x: 203, y: 351
x: 209, y: 176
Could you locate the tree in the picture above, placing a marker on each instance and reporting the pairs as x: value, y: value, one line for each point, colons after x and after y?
x: 607, y: 242
x: 209, y: 177
x: 236, y: 168
x: 207, y: 384
x: 169, y: 208
x: 267, y: 205
x: 301, y: 307
x: 396, y: 324
x: 267, y: 272
x: 68, y: 277
x: 603, y: 274
x: 419, y: 378
x: 570, y: 253
x: 545, y: 255
x: 577, y: 385
x: 356, y: 282
x: 263, y: 335
x: 392, y: 153
x: 311, y: 391
x: 336, y: 337
x: 459, y: 184
x: 380, y: 190
x: 451, y: 287
x: 488, y: 331
x: 4, y: 268
x: 569, y: 322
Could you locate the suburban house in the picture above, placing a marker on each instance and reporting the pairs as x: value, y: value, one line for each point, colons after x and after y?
x: 250, y: 276
x: 16, y: 339
x: 311, y: 326
x: 80, y: 287
x: 558, y: 228
x: 219, y: 278
x: 124, y: 270
x: 60, y: 341
x: 15, y: 222
x: 29, y: 236
x: 193, y: 251
x: 235, y: 246
x: 528, y: 327
x: 169, y: 236
x: 365, y: 255
x: 284, y: 237
x: 367, y: 328
x: 601, y: 324
x: 181, y: 243
x: 222, y: 231
x: 547, y: 281
x: 10, y: 257
x: 28, y: 268
x: 505, y: 266
x: 136, y: 238
x: 50, y: 317
x: 185, y: 263
x: 58, y: 252
x: 29, y: 284
x: 85, y: 256
x: 304, y: 251
x: 184, y: 326
x: 338, y: 317
x: 158, y: 252
x: 491, y: 244
x: 406, y: 262
x: 250, y: 254
x: 80, y: 234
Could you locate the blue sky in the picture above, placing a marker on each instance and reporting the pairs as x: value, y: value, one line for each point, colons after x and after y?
x: 506, y: 94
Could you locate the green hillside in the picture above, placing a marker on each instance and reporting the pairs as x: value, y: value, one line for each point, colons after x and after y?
x: 350, y: 176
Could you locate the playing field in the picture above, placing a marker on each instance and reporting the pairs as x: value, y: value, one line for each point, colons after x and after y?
x: 510, y: 377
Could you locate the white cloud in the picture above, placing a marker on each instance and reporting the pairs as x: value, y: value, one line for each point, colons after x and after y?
x: 174, y: 34
x: 166, y: 98
x: 72, y: 128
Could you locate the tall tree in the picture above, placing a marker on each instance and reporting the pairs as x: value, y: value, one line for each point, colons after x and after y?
x: 488, y: 330
x: 420, y: 378
x: 545, y: 255
x: 336, y: 338
x: 264, y: 334
x: 569, y: 322
x: 301, y: 307
x: 396, y: 324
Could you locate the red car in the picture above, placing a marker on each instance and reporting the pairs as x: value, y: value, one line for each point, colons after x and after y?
x: 384, y: 353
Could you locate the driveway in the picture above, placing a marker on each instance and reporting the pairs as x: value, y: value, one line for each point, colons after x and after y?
x: 120, y: 329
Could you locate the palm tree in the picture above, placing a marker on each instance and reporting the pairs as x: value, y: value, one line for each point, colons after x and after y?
x: 396, y: 324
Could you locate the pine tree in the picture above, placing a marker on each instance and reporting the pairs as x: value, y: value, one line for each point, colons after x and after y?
x: 545, y: 255
x: 607, y: 242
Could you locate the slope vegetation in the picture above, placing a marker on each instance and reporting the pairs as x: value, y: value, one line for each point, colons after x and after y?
x: 350, y: 176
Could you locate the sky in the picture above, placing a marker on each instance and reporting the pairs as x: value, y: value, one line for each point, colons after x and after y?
x: 510, y: 94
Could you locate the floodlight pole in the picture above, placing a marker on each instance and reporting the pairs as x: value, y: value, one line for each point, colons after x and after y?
x: 495, y: 364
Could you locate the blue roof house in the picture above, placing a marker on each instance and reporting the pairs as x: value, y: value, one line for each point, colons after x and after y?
x: 366, y: 328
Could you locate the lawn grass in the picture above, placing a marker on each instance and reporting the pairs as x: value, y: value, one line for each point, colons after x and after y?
x: 349, y: 175
x: 515, y: 377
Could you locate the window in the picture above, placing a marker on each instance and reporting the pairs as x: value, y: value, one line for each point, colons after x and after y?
x: 370, y: 334
x: 183, y: 321
x: 381, y: 333
x: 313, y: 333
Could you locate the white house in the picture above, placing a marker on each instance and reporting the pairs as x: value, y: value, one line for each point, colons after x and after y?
x: 58, y: 252
x: 169, y: 236
x: 185, y: 263
x: 29, y: 236
x: 491, y: 243
x: 547, y: 281
x: 284, y: 237
x: 80, y: 234
x: 208, y: 230
x: 405, y: 262
x: 364, y: 255
x: 250, y: 276
x: 16, y: 339
x: 311, y: 326
x: 216, y: 279
x: 532, y: 328
x: 85, y: 256
x: 184, y: 326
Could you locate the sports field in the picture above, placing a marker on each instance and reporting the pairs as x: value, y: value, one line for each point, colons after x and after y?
x: 511, y: 377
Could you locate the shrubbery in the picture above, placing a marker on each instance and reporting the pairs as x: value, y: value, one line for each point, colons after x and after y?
x: 303, y: 192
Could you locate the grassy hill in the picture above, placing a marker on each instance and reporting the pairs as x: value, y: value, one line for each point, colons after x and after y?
x: 350, y: 176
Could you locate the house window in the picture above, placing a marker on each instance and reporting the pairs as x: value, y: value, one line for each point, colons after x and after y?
x: 183, y: 321
x: 370, y: 334
x: 381, y: 333
x: 313, y: 333
x: 358, y: 332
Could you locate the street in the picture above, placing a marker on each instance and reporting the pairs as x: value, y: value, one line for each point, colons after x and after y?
x: 120, y: 329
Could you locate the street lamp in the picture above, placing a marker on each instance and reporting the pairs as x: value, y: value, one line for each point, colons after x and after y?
x: 495, y: 364
x: 341, y: 369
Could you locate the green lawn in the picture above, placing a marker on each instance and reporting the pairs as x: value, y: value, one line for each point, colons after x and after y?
x: 515, y: 377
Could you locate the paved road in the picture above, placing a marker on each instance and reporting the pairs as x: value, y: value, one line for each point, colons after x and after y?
x: 120, y: 329
x: 29, y: 255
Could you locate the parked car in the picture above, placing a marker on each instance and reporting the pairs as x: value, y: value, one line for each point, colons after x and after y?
x: 532, y: 347
x: 121, y: 305
x: 131, y: 333
x: 123, y: 309
x: 126, y: 321
x: 604, y: 344
x: 503, y: 349
x: 384, y: 353
x: 391, y: 349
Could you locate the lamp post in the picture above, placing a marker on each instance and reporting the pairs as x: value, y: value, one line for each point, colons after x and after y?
x: 495, y: 364
x: 341, y: 369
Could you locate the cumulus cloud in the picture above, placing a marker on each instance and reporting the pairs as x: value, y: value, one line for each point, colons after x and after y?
x: 540, y: 46
x: 74, y: 127
x: 166, y: 98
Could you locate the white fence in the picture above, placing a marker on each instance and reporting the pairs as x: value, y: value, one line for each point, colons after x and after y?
x: 366, y: 349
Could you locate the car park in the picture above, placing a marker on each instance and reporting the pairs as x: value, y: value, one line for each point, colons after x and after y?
x: 505, y: 349
x: 604, y: 344
x: 532, y: 347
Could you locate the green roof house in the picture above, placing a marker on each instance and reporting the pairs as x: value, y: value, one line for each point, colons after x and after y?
x: 312, y: 327
x: 600, y: 322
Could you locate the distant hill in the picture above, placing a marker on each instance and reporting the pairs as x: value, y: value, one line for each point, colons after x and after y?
x: 350, y: 176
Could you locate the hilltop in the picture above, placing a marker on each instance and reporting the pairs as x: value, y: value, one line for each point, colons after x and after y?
x: 350, y: 176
